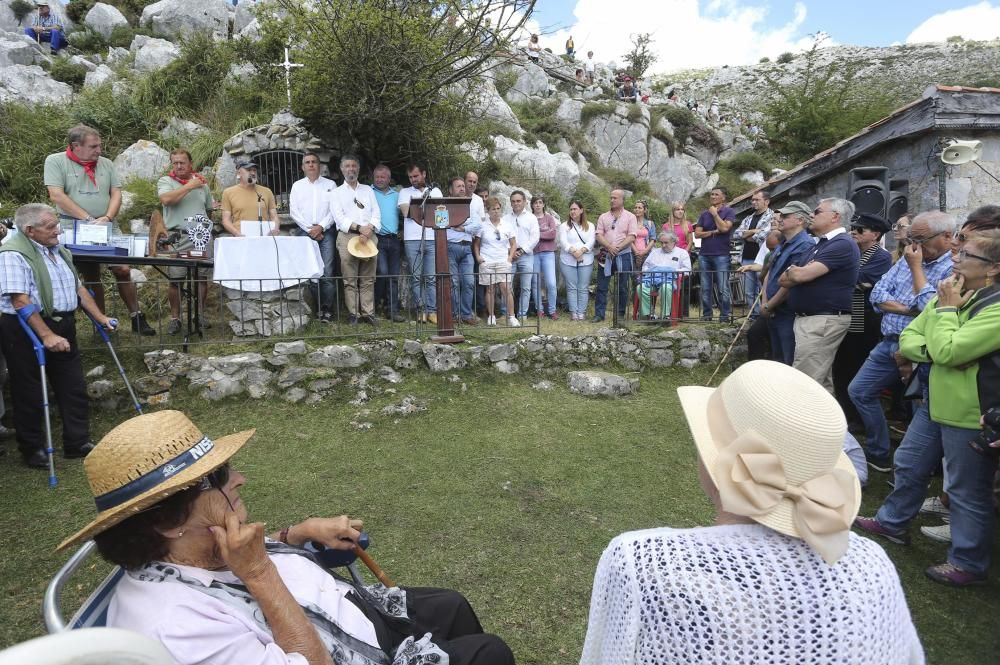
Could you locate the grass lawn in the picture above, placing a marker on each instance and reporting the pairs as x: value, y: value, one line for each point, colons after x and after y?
x: 501, y: 491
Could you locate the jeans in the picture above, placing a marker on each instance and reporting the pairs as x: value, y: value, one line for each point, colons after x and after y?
x: 326, y: 289
x: 463, y: 280
x: 715, y: 274
x: 751, y: 285
x: 619, y: 264
x: 545, y: 268
x: 577, y: 280
x: 524, y: 267
x: 55, y: 38
x: 390, y: 251
x: 781, y: 330
x: 428, y: 303
x: 970, y: 480
x: 878, y: 372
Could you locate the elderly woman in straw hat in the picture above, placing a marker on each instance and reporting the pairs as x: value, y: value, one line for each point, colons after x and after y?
x: 211, y: 588
x: 779, y: 578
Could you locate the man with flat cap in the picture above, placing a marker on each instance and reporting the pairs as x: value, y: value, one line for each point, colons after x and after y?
x: 46, y: 27
x: 864, y: 332
x: 795, y: 242
x: 248, y: 201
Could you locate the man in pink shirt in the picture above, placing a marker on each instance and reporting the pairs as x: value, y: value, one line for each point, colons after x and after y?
x: 616, y: 231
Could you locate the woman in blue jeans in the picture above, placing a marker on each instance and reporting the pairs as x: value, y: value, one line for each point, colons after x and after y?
x: 955, y: 332
x: 545, y: 260
x: 576, y: 259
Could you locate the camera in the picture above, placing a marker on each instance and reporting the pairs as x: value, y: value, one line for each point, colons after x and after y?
x: 990, y: 433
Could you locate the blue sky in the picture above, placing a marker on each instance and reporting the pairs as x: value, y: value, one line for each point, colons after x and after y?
x: 769, y: 27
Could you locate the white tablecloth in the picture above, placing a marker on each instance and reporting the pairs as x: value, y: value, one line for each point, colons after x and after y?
x: 257, y: 264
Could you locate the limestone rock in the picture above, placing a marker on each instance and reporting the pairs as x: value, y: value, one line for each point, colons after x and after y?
x: 620, y: 143
x: 558, y: 169
x: 29, y: 84
x: 342, y: 356
x: 507, y: 367
x: 601, y: 383
x: 532, y: 82
x: 243, y: 16
x: 226, y: 386
x: 292, y: 375
x: 389, y: 375
x: 236, y: 363
x: 99, y: 77
x: 661, y: 358
x: 152, y: 384
x: 295, y: 395
x: 100, y: 389
x: 143, y: 160
x: 674, y: 178
x: 103, y: 18
x: 182, y: 129
x: 290, y: 348
x: 151, y: 53
x: 18, y: 49
x: 96, y: 372
x: 544, y: 385
x: 499, y: 352
x: 443, y: 357
x: 412, y: 347
x: 183, y: 18
x: 688, y: 363
x: 487, y: 103
x: 116, y: 54
x: 570, y: 110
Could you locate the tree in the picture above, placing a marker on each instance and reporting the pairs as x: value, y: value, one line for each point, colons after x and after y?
x: 641, y: 57
x: 390, y: 80
x: 827, y: 105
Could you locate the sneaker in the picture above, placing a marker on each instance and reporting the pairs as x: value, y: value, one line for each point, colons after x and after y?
x: 513, y: 322
x: 432, y: 317
x: 880, y: 463
x: 491, y: 320
x: 933, y: 506
x: 874, y: 527
x: 140, y: 326
x: 597, y: 319
x: 174, y: 326
x: 941, y: 534
x: 945, y: 573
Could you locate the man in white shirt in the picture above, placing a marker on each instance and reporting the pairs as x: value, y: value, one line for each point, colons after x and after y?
x: 526, y: 225
x: 419, y: 245
x: 461, y: 263
x: 356, y: 214
x: 309, y: 206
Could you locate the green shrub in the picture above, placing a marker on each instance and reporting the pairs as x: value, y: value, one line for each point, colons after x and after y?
x: 618, y: 178
x: 539, y: 122
x: 594, y: 199
x: 68, y: 72
x: 785, y: 58
x: 146, y: 200
x: 634, y: 113
x: 24, y: 144
x: 86, y: 39
x: 763, y: 60
x: 955, y: 39
x: 592, y: 110
x: 504, y: 81
x: 746, y: 161
x: 77, y: 10
x: 121, y: 36
x: 20, y: 9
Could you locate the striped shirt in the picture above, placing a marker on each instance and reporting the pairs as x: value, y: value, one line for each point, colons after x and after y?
x: 897, y: 286
x: 16, y: 277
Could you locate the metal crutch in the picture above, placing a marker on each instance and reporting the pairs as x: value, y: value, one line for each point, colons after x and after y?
x: 23, y: 315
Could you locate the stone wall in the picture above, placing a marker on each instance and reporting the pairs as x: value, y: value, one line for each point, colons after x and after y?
x: 299, y: 373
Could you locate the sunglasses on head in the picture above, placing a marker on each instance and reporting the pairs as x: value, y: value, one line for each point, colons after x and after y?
x: 216, y: 479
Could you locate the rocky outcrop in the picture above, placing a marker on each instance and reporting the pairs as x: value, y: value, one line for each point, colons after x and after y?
x: 531, y: 82
x: 152, y: 54
x: 620, y: 137
x: 183, y: 18
x: 31, y: 85
x: 143, y: 160
x: 557, y: 169
x: 601, y: 384
x: 103, y: 19
x: 19, y: 49
x: 487, y: 103
x: 99, y: 76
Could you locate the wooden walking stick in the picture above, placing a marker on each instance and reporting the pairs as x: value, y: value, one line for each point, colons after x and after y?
x: 372, y: 566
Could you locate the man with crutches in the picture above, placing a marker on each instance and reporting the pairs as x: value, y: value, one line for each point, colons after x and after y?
x: 38, y: 285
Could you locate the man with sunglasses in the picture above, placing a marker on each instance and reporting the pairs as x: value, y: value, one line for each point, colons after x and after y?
x: 820, y: 289
x: 357, y: 215
x: 899, y: 295
x: 863, y: 334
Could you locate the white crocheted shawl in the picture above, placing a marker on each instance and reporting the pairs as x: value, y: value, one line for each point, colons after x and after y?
x: 730, y: 595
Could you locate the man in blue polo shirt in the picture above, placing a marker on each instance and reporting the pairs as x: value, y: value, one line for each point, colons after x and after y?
x: 714, y: 227
x: 791, y: 220
x: 820, y: 290
x: 390, y: 247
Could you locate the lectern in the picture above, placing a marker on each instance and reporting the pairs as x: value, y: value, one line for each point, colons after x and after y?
x: 441, y: 214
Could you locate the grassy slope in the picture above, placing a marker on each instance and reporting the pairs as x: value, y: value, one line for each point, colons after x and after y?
x: 512, y: 502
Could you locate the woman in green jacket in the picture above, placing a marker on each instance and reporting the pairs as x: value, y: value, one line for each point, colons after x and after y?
x: 953, y: 333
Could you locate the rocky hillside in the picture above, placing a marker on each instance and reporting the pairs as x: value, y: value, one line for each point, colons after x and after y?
x: 904, y: 71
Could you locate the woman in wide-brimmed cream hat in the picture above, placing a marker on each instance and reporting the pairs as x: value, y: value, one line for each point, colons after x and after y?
x: 209, y: 586
x: 779, y: 578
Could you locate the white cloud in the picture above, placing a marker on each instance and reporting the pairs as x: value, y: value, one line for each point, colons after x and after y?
x: 723, y: 32
x: 980, y: 21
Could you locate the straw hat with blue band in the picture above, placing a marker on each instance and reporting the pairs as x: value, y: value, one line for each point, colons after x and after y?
x: 147, y: 459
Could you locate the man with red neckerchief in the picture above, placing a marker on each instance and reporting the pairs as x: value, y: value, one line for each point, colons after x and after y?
x: 84, y: 186
x: 183, y: 194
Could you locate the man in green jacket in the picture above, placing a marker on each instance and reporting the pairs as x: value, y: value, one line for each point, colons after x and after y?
x: 38, y: 283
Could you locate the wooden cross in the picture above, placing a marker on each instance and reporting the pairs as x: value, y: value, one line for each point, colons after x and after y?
x: 288, y: 66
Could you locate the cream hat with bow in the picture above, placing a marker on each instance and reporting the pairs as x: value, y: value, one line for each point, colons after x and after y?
x: 772, y: 438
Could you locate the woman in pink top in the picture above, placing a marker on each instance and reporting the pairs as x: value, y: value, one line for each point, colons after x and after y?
x: 680, y: 226
x: 545, y: 259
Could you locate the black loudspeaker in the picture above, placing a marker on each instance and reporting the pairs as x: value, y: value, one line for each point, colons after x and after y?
x: 868, y: 189
x: 899, y: 199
